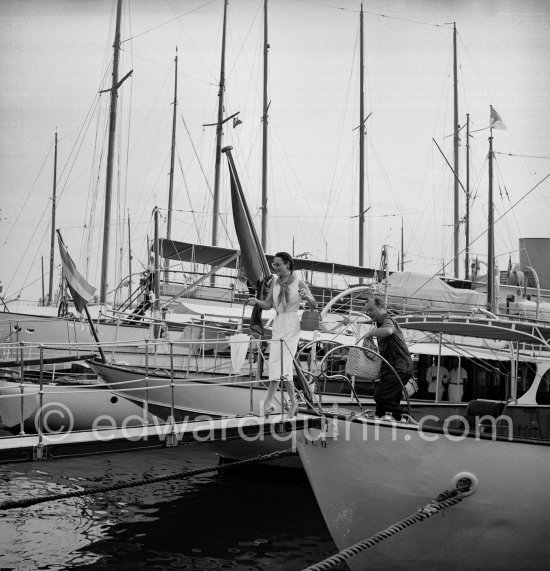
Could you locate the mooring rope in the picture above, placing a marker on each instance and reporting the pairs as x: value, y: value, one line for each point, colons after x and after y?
x: 24, y: 503
x: 446, y: 499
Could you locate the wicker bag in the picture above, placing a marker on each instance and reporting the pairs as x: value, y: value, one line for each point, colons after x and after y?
x: 411, y: 387
x: 362, y: 363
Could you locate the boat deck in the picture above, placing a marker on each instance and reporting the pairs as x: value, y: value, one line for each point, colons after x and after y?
x: 31, y: 447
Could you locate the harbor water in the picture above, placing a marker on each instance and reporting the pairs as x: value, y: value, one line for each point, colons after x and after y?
x: 245, y: 519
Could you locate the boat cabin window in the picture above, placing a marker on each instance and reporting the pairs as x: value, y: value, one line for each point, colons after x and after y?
x: 486, y: 379
x: 526, y: 376
x: 543, y: 392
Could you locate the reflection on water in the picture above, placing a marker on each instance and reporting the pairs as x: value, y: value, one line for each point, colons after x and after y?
x: 247, y: 519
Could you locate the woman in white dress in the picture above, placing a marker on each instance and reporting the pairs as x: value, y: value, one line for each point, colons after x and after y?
x: 285, y: 294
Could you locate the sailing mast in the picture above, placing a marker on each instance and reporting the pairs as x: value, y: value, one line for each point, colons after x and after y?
x: 52, y: 243
x: 110, y: 155
x: 455, y: 148
x: 219, y: 134
x: 129, y: 259
x: 467, y: 215
x: 43, y: 298
x: 264, y: 135
x: 361, y: 147
x: 491, y: 235
x: 402, y: 247
x: 172, y: 155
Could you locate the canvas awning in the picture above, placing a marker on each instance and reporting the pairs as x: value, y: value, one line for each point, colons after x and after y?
x: 196, y: 253
x: 214, y: 255
x: 484, y: 327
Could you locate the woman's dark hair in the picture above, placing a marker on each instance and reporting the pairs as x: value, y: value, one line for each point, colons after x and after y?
x: 287, y: 258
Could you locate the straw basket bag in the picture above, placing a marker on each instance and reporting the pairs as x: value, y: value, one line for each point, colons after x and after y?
x: 364, y: 364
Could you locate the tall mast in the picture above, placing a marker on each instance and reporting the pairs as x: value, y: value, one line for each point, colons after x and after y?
x: 110, y: 154
x: 402, y: 247
x: 361, y: 146
x: 490, y: 235
x: 219, y: 134
x: 467, y: 216
x: 172, y: 155
x: 156, y: 276
x: 52, y: 243
x: 264, y: 134
x: 455, y: 147
x: 43, y: 294
x: 129, y: 259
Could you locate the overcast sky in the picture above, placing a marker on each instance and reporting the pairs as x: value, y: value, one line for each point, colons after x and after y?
x: 56, y: 55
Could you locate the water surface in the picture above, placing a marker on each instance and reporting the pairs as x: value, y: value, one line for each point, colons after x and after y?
x: 245, y: 519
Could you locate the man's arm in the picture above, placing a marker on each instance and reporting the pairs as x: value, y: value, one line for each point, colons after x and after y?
x: 385, y: 330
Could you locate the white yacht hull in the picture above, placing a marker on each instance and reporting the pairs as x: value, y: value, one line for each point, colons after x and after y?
x: 66, y: 408
x: 372, y: 475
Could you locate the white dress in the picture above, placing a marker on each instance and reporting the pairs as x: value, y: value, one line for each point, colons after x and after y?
x: 286, y: 326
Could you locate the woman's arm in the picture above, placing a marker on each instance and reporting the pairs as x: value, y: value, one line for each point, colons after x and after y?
x: 306, y: 294
x: 267, y: 303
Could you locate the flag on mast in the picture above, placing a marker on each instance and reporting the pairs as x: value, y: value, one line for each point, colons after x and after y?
x: 81, y: 291
x: 496, y: 121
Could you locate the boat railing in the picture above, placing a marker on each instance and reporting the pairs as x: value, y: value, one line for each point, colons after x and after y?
x: 147, y: 383
x: 474, y: 312
x: 318, y: 373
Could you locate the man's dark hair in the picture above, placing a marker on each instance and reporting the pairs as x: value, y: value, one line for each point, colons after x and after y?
x: 378, y: 301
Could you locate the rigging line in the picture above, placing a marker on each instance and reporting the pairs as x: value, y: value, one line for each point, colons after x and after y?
x: 93, y: 189
x: 196, y: 154
x: 27, y: 248
x: 516, y: 155
x: 374, y: 14
x: 332, y: 185
x: 486, y: 230
x: 472, y: 62
x: 392, y: 190
x: 188, y: 36
x: 17, y: 218
x: 318, y: 227
x: 477, y: 185
x: 167, y: 22
x: 127, y: 169
x: 482, y: 363
x: 188, y: 198
x: 71, y: 159
x: 243, y: 41
x: 85, y: 124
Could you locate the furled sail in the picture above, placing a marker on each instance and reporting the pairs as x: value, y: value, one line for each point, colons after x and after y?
x: 253, y: 257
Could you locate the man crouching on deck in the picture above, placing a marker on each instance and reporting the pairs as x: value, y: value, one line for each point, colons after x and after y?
x: 393, y: 349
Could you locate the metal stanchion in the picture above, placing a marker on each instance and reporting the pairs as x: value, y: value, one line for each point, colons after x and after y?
x: 281, y: 383
x: 40, y: 446
x: 146, y: 405
x: 171, y: 438
x: 250, y: 376
x: 22, y: 388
